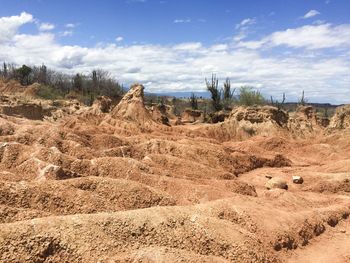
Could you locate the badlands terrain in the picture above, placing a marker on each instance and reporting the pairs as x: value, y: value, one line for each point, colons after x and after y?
x: 113, y: 183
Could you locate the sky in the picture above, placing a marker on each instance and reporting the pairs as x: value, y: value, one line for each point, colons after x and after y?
x: 276, y: 46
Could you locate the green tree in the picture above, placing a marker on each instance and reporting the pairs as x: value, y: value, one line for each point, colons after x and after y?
x: 24, y: 74
x: 249, y: 97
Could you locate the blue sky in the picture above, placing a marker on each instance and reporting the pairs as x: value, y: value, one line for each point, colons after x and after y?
x: 172, y: 45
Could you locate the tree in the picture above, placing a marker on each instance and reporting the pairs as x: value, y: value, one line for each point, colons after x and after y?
x: 212, y: 87
x: 24, y: 74
x: 78, y: 82
x: 43, y: 74
x: 194, y: 102
x: 4, y: 72
x: 302, y: 100
x: 227, y: 94
x: 278, y: 104
x: 95, y: 82
x: 249, y: 97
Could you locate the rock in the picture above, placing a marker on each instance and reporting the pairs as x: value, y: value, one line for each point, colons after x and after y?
x: 54, y: 172
x: 268, y: 176
x: 132, y: 106
x: 297, y: 179
x: 276, y: 182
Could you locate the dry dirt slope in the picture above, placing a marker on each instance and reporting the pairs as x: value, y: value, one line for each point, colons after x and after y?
x: 121, y: 187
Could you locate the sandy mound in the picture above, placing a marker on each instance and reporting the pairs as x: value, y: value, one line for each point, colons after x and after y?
x: 102, y: 104
x: 190, y: 116
x: 341, y: 118
x: 29, y: 111
x: 260, y: 115
x: 80, y: 195
x: 132, y: 106
x: 11, y: 86
x: 95, y: 185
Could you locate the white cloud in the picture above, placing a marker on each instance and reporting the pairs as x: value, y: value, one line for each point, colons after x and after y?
x: 191, y: 46
x: 183, y: 67
x: 46, y: 27
x: 245, y: 22
x: 70, y: 25
x: 309, y: 37
x: 10, y: 25
x: 119, y: 39
x: 66, y: 33
x: 136, y: 1
x: 178, y: 21
x: 311, y: 13
x: 243, y: 28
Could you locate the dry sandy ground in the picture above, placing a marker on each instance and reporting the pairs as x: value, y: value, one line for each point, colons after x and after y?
x: 118, y: 186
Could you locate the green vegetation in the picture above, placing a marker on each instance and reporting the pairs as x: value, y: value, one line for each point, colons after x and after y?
x: 250, y: 97
x: 227, y: 94
x: 277, y: 104
x: 49, y: 93
x: 224, y: 98
x: 193, y: 102
x: 23, y: 75
x: 302, y: 101
x: 212, y: 87
x: 57, y: 85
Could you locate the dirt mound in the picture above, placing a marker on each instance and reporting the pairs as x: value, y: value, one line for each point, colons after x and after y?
x: 102, y: 104
x: 119, y: 186
x: 11, y: 86
x: 341, y: 118
x: 219, y: 116
x: 29, y: 111
x: 132, y: 106
x: 160, y: 113
x: 246, y: 122
x: 260, y: 115
x: 80, y: 195
x: 304, y: 122
x: 122, y: 233
x: 190, y: 116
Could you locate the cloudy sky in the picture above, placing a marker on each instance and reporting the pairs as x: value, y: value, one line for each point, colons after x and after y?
x: 173, y: 45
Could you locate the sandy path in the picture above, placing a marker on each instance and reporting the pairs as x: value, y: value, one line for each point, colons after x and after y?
x: 332, y: 246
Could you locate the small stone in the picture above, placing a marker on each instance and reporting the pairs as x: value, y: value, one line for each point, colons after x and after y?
x: 268, y: 176
x: 297, y: 179
x: 276, y: 182
x: 342, y: 231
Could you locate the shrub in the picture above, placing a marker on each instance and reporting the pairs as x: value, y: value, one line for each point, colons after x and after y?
x: 49, y: 93
x: 193, y: 102
x: 249, y: 97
